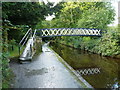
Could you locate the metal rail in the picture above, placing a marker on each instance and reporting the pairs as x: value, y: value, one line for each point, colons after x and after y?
x: 28, y: 32
x: 34, y: 33
x: 24, y: 39
x: 29, y: 41
x: 32, y: 43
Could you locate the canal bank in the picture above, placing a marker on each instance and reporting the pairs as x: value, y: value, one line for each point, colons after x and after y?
x: 77, y: 76
x: 45, y: 71
x: 78, y: 59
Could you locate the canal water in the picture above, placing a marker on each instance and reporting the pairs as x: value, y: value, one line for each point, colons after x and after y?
x: 81, y: 60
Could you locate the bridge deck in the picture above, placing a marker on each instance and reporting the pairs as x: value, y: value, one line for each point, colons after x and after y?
x: 46, y: 71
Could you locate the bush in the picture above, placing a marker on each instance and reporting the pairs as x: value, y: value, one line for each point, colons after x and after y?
x: 109, y: 45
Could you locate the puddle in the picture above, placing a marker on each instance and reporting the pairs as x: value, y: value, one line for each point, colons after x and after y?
x: 36, y: 72
x: 39, y: 71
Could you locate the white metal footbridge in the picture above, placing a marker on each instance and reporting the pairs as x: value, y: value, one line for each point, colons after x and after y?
x: 68, y: 32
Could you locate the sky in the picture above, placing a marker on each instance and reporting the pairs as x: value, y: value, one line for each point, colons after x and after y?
x: 114, y: 4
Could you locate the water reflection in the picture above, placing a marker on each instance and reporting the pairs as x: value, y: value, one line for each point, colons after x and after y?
x: 88, y: 71
x: 79, y: 59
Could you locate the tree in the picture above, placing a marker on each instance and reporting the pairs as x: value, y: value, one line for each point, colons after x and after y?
x: 15, y: 17
x: 88, y: 15
x: 97, y: 17
x: 28, y: 13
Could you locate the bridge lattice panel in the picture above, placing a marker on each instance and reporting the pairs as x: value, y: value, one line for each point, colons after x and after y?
x: 70, y: 32
x: 90, y: 71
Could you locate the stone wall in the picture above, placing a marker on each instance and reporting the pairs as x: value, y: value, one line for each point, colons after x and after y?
x: 38, y: 45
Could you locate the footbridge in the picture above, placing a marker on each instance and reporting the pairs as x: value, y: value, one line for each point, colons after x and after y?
x: 52, y: 32
x: 31, y: 43
x: 29, y: 38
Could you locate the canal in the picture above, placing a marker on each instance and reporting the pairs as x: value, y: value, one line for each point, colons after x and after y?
x: 81, y: 60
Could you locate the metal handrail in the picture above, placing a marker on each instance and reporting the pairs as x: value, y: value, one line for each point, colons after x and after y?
x: 25, y: 38
x: 34, y: 33
x: 33, y: 41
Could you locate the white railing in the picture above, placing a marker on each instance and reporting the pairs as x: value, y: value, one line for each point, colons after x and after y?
x: 25, y: 39
x: 28, y: 40
x: 89, y: 71
x: 69, y: 32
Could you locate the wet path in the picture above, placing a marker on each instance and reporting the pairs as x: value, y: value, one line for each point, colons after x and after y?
x: 46, y: 71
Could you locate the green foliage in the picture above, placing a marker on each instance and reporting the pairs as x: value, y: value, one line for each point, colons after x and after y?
x: 109, y: 44
x: 96, y: 18
x: 28, y: 13
x: 56, y: 10
x: 5, y: 60
x: 84, y: 15
x: 17, y: 18
x: 14, y: 53
x: 88, y: 15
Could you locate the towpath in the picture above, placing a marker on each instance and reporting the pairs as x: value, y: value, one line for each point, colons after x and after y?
x: 45, y: 71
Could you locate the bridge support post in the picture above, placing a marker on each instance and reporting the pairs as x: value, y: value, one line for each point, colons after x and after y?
x: 38, y: 45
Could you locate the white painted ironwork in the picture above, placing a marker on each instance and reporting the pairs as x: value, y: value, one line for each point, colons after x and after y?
x: 70, y: 32
x: 29, y: 39
x: 89, y: 71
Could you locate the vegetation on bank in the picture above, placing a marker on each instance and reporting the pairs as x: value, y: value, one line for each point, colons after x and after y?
x: 18, y: 17
x: 107, y: 45
x: 88, y: 15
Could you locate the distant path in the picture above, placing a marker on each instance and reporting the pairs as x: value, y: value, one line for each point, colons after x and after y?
x: 46, y: 71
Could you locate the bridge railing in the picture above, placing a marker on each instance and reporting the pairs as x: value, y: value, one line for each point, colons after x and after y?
x: 32, y: 44
x: 29, y: 42
x: 89, y: 71
x: 68, y: 32
x: 24, y: 40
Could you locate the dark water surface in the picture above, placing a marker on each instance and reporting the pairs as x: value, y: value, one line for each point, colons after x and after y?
x: 81, y: 60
